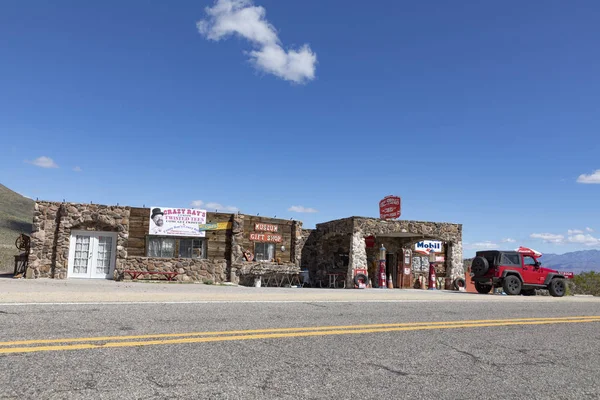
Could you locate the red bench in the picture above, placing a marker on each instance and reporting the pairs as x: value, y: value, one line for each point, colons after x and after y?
x: 135, y: 274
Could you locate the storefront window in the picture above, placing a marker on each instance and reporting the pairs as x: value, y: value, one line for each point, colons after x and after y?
x: 264, y: 251
x: 191, y: 248
x: 163, y: 247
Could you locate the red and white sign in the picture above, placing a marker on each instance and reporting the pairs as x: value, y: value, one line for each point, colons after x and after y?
x: 265, y: 227
x: 389, y: 207
x: 266, y: 237
x: 568, y: 275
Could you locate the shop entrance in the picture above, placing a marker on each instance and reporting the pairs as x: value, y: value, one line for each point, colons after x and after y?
x: 92, y: 254
x: 391, y: 268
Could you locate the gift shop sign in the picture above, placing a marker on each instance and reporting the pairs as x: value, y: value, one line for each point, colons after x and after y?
x: 389, y: 207
x: 266, y: 237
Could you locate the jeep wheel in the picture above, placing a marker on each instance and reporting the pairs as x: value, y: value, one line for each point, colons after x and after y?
x: 480, y: 266
x: 511, y: 285
x: 557, y: 287
x: 528, y: 292
x: 482, y: 288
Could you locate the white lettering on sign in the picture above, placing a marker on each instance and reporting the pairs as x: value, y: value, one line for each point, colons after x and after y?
x: 265, y: 227
x: 434, y: 245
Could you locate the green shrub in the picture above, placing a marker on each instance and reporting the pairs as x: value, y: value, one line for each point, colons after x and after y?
x: 586, y: 283
x: 207, y: 281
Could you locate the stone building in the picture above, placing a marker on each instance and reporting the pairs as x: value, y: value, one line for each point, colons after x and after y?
x: 98, y: 241
x: 353, y: 244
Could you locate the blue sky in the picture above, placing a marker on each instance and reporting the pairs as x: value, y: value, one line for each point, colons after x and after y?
x: 480, y: 114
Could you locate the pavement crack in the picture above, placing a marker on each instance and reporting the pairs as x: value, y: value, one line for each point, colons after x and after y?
x: 399, y: 373
x: 316, y: 305
x: 471, y: 355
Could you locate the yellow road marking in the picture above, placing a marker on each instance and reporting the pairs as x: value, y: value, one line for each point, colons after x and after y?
x: 414, y: 327
x: 277, y: 330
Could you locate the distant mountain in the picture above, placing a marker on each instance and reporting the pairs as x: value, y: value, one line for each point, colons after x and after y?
x: 16, y: 217
x: 575, y: 261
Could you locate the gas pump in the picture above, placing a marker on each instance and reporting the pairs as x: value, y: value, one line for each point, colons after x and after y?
x: 382, y: 281
x: 432, y: 277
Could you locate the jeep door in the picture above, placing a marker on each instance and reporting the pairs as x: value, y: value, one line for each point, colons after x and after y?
x: 532, y: 274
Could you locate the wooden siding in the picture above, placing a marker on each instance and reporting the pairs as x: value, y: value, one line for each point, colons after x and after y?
x: 218, y: 242
x: 284, y: 228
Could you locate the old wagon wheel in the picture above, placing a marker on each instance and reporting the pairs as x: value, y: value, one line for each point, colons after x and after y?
x: 22, y: 242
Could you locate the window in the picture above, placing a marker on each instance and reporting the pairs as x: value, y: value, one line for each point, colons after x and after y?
x: 511, y: 259
x: 191, y: 248
x: 528, y: 260
x: 165, y: 247
x: 264, y: 251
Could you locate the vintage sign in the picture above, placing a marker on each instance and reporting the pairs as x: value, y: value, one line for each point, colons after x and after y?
x: 370, y: 241
x: 432, y: 245
x: 219, y: 226
x: 568, y: 275
x: 389, y: 207
x: 166, y: 221
x: 266, y: 237
x: 265, y: 227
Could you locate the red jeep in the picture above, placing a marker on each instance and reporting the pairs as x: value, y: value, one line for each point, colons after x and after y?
x: 516, y: 272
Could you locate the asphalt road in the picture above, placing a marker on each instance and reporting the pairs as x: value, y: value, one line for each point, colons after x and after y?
x: 396, y: 358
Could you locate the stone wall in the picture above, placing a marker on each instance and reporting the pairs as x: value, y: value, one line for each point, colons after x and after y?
x: 189, y: 269
x: 51, y: 233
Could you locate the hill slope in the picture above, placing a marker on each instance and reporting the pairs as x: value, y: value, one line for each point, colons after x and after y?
x: 16, y: 215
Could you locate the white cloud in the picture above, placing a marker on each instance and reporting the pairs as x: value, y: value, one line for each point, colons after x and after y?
x: 44, y: 162
x: 243, y: 18
x: 77, y: 169
x: 212, y: 206
x: 574, y: 231
x: 591, y: 178
x: 589, y: 229
x: 587, y: 240
x: 508, y: 240
x: 486, y: 245
x: 548, y: 237
x: 302, y: 209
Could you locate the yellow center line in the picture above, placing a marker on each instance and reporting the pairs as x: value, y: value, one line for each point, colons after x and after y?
x: 276, y: 330
x: 430, y: 326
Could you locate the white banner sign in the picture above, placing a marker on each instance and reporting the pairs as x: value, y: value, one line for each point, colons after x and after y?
x: 177, y: 221
x: 434, y: 245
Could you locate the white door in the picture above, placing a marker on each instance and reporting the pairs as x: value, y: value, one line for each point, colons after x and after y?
x: 92, y: 254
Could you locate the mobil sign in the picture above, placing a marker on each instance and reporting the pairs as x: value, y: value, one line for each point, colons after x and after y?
x: 433, y: 245
x: 389, y: 207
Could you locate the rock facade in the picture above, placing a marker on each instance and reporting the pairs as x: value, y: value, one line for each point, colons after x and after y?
x: 51, y: 233
x: 189, y: 269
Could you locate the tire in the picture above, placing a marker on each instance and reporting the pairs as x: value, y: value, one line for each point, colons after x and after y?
x: 480, y: 266
x: 459, y: 283
x: 557, y: 287
x: 511, y: 285
x: 528, y: 292
x: 482, y: 288
x: 360, y: 277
